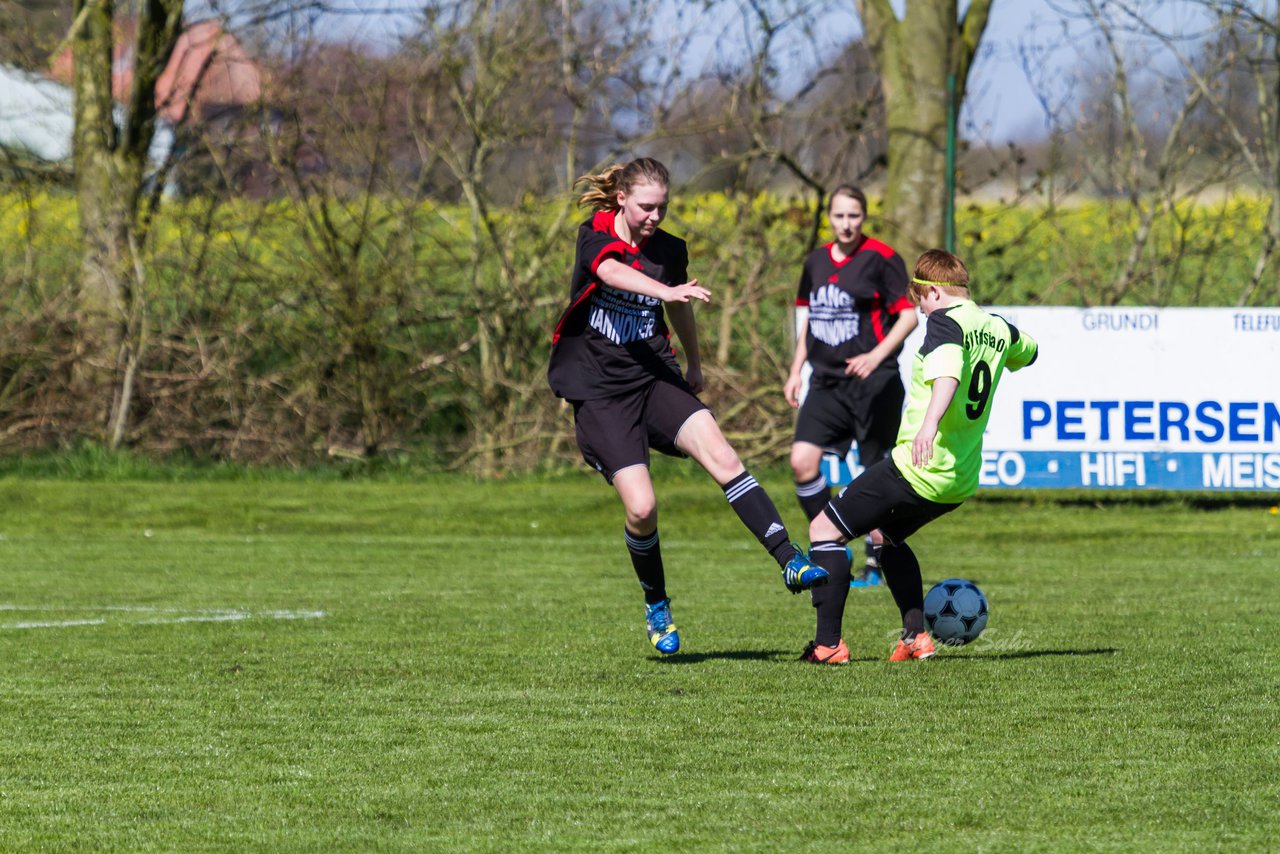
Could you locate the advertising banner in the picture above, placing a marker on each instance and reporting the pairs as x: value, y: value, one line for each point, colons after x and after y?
x: 1137, y: 398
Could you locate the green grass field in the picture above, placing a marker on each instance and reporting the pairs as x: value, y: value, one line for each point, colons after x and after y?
x: 445, y: 665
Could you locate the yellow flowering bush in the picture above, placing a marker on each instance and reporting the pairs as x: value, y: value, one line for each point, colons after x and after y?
x: 288, y: 330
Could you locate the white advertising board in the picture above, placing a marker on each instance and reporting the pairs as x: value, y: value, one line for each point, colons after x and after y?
x: 1137, y: 398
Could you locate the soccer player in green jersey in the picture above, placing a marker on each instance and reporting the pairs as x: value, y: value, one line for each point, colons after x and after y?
x: 935, y: 463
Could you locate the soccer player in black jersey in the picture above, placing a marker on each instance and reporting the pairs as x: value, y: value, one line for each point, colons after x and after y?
x: 612, y: 359
x: 853, y: 304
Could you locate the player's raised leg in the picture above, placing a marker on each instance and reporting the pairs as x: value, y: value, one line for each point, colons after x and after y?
x: 635, y: 488
x: 701, y: 438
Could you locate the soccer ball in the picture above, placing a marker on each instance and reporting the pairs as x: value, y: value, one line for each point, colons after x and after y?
x: 955, y: 611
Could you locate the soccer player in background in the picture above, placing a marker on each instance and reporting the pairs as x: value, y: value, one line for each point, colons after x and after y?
x: 935, y: 464
x: 853, y: 302
x: 612, y: 359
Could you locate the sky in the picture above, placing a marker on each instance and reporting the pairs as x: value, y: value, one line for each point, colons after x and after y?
x: 1006, y: 87
x: 1028, y: 59
x: 1004, y: 100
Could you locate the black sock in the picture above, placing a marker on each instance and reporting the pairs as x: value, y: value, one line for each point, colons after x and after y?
x: 902, y: 573
x: 829, y: 599
x: 646, y: 557
x: 756, y: 510
x: 813, y: 496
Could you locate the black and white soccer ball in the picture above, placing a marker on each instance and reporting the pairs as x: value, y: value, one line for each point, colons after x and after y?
x: 955, y: 611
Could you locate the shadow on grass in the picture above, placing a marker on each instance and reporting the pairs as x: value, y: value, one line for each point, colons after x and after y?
x: 785, y: 656
x: 726, y: 655
x: 1029, y: 653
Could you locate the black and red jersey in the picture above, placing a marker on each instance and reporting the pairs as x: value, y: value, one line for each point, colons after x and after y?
x: 852, y: 304
x: 608, y: 341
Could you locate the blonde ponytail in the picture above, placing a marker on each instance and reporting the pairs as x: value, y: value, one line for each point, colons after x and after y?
x: 602, y: 194
x: 603, y: 189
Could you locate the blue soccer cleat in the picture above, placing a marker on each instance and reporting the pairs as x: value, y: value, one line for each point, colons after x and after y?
x: 869, y: 577
x: 662, y: 632
x: 801, y: 574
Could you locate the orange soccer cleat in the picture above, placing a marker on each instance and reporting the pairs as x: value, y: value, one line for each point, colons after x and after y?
x: 921, y: 646
x: 816, y: 654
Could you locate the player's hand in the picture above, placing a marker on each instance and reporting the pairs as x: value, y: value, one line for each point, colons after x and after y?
x: 861, y: 366
x: 922, y: 446
x: 683, y: 293
x: 791, y: 390
x: 693, y: 376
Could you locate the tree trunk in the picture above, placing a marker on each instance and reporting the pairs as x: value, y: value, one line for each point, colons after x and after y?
x: 915, y: 54
x: 110, y: 161
x: 103, y: 232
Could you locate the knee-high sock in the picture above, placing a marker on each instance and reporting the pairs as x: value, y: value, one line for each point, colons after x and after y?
x: 756, y: 510
x: 829, y: 599
x: 813, y: 496
x: 902, y: 573
x: 646, y: 557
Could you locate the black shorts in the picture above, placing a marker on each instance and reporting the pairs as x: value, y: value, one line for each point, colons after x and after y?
x: 835, y: 413
x: 615, y: 433
x: 881, y: 498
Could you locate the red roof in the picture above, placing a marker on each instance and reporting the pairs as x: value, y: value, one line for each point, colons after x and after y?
x: 208, y: 68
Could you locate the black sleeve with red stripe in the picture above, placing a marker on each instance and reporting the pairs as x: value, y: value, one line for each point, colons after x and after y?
x: 594, y: 246
x: 894, y: 282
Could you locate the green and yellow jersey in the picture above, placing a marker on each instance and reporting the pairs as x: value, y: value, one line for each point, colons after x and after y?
x: 974, y: 347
